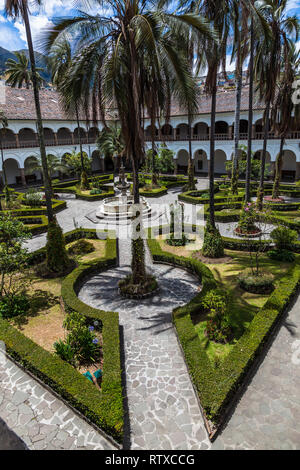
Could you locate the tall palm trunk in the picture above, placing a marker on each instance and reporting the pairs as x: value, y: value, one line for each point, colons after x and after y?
x: 83, y: 181
x: 212, y: 156
x: 250, y: 115
x: 238, y: 96
x: 154, y: 176
x: 191, y: 178
x: 137, y: 245
x: 260, y: 192
x: 278, y: 168
x: 40, y: 129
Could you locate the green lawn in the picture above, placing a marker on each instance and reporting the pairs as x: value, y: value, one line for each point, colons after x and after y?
x: 242, y: 305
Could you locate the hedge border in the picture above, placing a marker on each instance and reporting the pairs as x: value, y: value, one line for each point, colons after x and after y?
x: 105, y: 408
x: 218, y: 387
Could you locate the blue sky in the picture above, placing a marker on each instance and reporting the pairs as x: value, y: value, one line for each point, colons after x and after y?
x: 12, y: 34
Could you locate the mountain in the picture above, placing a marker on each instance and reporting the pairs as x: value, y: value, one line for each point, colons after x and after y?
x: 41, y: 61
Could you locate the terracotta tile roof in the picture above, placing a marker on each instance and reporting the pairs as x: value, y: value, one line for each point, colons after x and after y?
x: 20, y: 104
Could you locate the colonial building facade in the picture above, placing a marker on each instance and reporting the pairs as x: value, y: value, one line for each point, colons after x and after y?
x: 20, y: 141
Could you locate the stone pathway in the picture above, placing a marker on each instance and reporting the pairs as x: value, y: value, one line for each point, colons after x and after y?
x: 163, y: 409
x: 267, y: 416
x: 37, y: 419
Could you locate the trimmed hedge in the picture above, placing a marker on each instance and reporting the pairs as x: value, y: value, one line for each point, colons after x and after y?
x: 39, y: 223
x: 57, y: 206
x: 104, y: 408
x: 216, y: 386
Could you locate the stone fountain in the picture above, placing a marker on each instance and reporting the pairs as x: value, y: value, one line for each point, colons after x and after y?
x: 121, y: 207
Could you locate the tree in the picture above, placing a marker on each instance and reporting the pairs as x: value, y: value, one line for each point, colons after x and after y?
x: 19, y: 73
x: 4, y: 124
x: 110, y: 142
x: 73, y: 162
x: 13, y: 257
x: 271, y: 53
x: 284, y: 108
x: 20, y: 9
x: 109, y: 64
x: 60, y: 61
x: 53, y: 162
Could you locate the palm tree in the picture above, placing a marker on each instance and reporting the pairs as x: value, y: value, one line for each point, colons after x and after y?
x: 60, y: 61
x: 53, y: 162
x: 109, y: 56
x: 4, y: 124
x: 284, y: 111
x: 110, y: 142
x: 213, y: 54
x: 270, y: 54
x: 19, y: 73
x: 56, y: 259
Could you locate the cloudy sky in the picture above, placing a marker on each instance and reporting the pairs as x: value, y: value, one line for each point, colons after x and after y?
x: 12, y: 33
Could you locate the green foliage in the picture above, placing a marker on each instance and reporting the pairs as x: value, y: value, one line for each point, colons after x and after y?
x: 163, y: 160
x: 81, y: 247
x: 216, y: 386
x: 81, y: 344
x: 84, y: 182
x: 13, y: 258
x: 285, y: 256
x: 14, y: 305
x: 57, y: 260
x: 72, y: 161
x: 33, y: 198
x: 213, y: 244
x: 248, y: 216
x: 95, y: 191
x: 64, y: 351
x: 284, y: 238
x: 257, y: 283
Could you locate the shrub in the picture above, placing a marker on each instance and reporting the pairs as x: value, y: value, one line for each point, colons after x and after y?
x: 284, y: 238
x: 257, y: 283
x: 64, y: 351
x: 33, y: 198
x: 282, y: 255
x: 95, y: 191
x: 57, y: 260
x: 81, y: 247
x: 14, y: 305
x: 213, y: 244
x: 247, y: 219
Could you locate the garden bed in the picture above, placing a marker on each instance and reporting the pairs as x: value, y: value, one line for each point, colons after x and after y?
x: 218, y: 380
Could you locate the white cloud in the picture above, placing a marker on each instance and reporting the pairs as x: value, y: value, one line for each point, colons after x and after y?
x: 37, y: 23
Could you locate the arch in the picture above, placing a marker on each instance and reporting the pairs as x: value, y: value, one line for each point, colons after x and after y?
x: 243, y: 126
x: 167, y: 130
x: 27, y: 137
x: 200, y: 161
x: 220, y: 162
x: 49, y: 136
x: 64, y: 136
x: 221, y: 127
x: 257, y: 156
x: 182, y: 161
x: 201, y: 130
x: 148, y: 133
x: 12, y: 170
x: 96, y: 161
x: 8, y: 138
x: 79, y: 131
x: 93, y: 134
x: 289, y: 165
x: 182, y: 131
x: 31, y: 176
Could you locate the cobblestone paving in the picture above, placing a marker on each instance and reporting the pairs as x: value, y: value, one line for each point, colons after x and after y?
x: 37, y: 419
x: 163, y: 409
